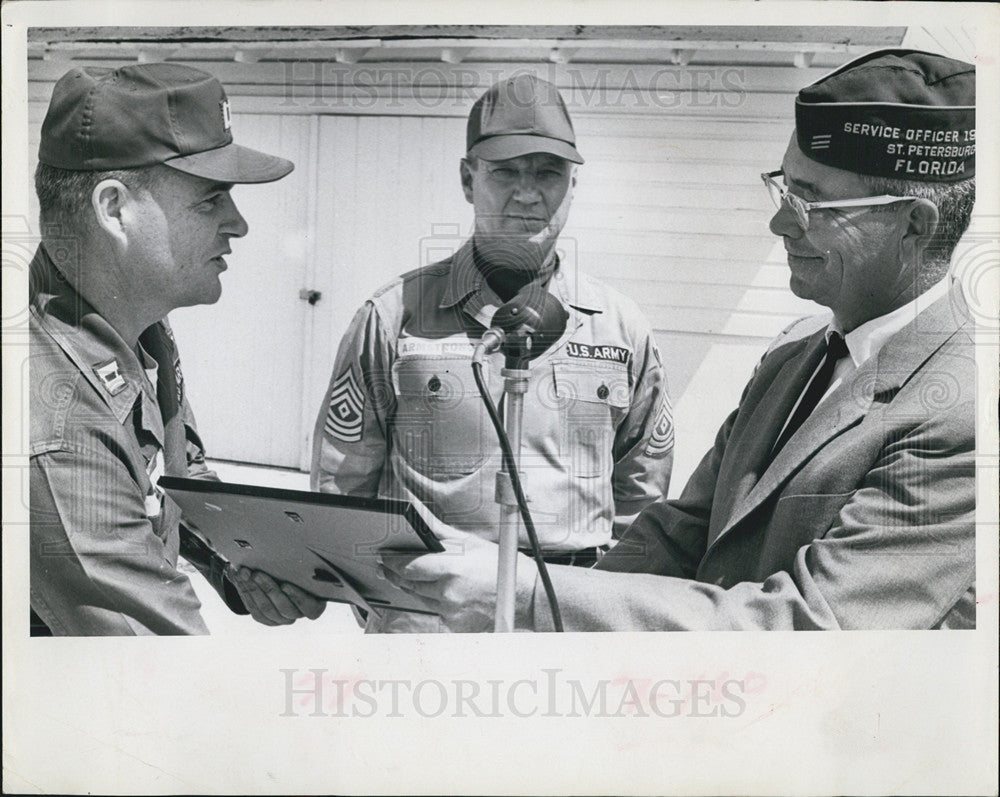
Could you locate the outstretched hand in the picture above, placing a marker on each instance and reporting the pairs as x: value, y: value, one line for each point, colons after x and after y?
x: 460, y: 584
x: 272, y: 603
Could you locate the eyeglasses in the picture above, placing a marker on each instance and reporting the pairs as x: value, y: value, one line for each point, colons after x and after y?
x: 781, y: 195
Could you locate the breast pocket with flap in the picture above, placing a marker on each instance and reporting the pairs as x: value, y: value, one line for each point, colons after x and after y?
x: 441, y: 426
x: 593, y: 398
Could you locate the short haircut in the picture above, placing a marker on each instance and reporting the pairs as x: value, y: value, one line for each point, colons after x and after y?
x: 64, y: 194
x: 954, y: 202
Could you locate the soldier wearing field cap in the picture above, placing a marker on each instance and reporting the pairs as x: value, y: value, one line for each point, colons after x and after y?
x: 402, y: 416
x: 134, y: 176
x: 840, y: 493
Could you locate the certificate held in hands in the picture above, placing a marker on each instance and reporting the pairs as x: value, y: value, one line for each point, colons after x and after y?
x: 326, y: 544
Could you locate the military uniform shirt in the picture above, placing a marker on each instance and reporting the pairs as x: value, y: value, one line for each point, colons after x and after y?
x: 402, y: 416
x: 104, y: 539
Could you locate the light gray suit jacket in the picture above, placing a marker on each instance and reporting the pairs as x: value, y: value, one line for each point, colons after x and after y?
x: 865, y: 519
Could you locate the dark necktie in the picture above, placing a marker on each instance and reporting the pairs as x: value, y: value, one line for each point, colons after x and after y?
x: 836, y: 350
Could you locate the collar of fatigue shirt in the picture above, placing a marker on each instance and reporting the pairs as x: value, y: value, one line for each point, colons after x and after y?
x: 152, y: 414
x: 83, y: 334
x: 467, y: 283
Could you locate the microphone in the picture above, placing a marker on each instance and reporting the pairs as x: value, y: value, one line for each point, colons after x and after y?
x: 534, y: 313
x: 524, y: 328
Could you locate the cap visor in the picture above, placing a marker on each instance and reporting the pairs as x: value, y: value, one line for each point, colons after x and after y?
x: 233, y: 164
x: 500, y: 148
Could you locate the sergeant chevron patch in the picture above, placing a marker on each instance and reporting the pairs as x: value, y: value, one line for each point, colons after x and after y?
x: 345, y: 418
x: 661, y: 442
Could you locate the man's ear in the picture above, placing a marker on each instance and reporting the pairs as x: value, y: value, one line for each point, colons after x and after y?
x: 108, y: 200
x: 465, y: 170
x: 920, y: 221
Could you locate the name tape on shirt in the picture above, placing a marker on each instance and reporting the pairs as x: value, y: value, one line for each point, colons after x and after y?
x: 346, y: 415
x: 661, y: 442
x: 419, y: 347
x: 586, y: 351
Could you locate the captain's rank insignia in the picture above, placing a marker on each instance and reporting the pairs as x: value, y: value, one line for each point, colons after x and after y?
x: 110, y: 376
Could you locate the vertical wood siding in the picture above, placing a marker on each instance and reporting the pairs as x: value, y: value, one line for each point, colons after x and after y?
x: 669, y: 210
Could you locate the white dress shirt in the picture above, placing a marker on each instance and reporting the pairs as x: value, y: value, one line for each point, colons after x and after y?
x: 865, y: 341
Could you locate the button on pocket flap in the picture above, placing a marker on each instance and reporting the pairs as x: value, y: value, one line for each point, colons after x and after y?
x: 603, y: 383
x: 436, y: 378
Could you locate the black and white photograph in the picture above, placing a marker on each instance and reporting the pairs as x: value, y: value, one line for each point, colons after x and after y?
x: 387, y: 388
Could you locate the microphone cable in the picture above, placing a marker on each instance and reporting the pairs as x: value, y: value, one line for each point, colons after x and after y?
x: 522, y: 502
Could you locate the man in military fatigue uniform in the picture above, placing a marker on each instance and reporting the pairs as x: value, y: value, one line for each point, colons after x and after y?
x: 135, y: 167
x: 840, y: 494
x: 402, y: 416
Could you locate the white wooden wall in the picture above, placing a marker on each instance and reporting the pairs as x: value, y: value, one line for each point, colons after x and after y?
x: 669, y: 209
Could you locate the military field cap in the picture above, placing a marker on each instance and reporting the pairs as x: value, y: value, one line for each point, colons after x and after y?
x: 903, y: 114
x: 519, y: 116
x: 144, y: 114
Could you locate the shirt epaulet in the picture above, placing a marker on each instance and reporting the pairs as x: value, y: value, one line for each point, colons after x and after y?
x: 434, y: 270
x: 392, y: 285
x: 388, y: 303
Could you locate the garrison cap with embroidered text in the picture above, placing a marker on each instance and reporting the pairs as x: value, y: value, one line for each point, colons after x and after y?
x: 520, y: 116
x: 903, y: 114
x: 145, y: 114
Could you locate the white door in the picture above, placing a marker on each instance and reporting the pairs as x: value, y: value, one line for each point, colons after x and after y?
x: 243, y: 357
x: 367, y: 195
x: 387, y: 185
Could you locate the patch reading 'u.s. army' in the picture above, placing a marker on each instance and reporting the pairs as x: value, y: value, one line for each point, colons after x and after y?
x: 346, y: 415
x: 589, y: 351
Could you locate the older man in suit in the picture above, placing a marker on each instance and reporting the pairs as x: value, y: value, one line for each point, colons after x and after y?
x: 840, y: 493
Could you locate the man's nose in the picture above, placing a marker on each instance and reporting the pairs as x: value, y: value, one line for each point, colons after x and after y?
x: 784, y: 223
x: 526, y: 192
x: 233, y: 225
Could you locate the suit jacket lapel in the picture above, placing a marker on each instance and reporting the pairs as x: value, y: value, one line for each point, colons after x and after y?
x: 882, y: 375
x: 769, y: 404
x: 839, y: 411
x: 905, y: 352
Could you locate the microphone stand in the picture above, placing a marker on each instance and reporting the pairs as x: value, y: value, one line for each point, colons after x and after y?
x: 517, y: 351
x: 522, y: 328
